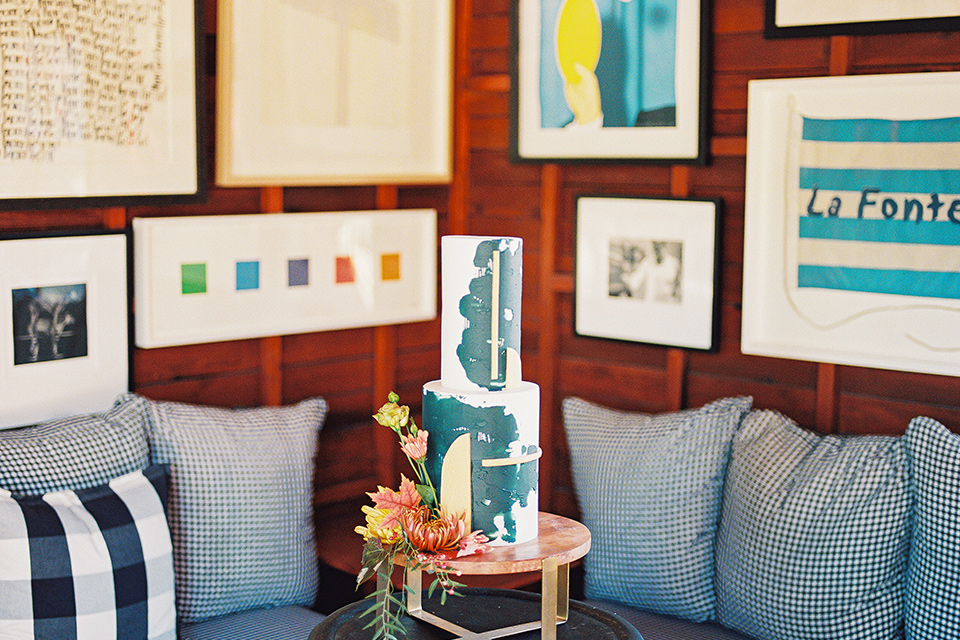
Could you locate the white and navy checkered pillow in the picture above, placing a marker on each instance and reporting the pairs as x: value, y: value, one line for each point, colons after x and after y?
x: 649, y: 488
x: 933, y: 573
x: 814, y: 533
x: 91, y: 564
x: 75, y: 453
x: 241, y: 512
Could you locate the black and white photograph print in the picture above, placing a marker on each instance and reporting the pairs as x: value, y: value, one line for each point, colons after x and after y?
x: 49, y: 323
x: 64, y: 323
x: 646, y: 269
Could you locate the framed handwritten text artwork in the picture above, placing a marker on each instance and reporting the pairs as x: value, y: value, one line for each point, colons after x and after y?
x: 328, y: 92
x: 99, y: 103
x: 798, y: 18
x: 852, y: 229
x: 609, y: 80
x: 281, y: 273
x: 64, y: 325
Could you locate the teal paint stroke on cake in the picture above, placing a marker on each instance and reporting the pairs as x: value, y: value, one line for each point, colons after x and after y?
x: 496, y: 490
x: 474, y: 350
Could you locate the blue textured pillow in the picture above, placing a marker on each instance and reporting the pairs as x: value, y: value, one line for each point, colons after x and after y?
x: 241, y: 513
x: 77, y: 452
x: 814, y: 533
x: 91, y: 564
x: 649, y: 489
x: 933, y: 573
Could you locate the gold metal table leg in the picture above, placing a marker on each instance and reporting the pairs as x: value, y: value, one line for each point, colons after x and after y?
x: 555, y: 597
x: 554, y: 605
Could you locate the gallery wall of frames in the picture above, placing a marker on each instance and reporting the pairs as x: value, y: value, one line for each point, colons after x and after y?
x: 711, y: 191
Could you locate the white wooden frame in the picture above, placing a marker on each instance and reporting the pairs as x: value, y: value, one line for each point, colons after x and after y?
x: 534, y: 26
x: 858, y: 326
x: 786, y: 18
x: 272, y: 303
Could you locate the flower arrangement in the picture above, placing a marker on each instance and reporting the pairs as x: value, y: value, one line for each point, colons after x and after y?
x: 412, y: 524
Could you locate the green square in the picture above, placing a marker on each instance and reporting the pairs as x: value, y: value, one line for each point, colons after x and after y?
x: 193, y: 278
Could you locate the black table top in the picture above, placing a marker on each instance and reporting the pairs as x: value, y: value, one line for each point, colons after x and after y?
x: 481, y: 610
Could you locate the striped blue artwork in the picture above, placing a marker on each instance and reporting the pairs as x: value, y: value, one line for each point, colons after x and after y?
x: 880, y: 206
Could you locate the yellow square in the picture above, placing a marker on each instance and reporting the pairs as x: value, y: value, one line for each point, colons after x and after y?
x: 390, y: 266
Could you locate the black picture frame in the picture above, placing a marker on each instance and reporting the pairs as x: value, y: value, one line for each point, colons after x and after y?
x: 674, y: 134
x: 186, y: 113
x: 907, y: 24
x: 671, y: 246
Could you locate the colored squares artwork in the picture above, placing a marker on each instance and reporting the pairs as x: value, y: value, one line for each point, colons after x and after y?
x: 248, y: 275
x: 193, y: 278
x: 213, y: 278
x: 390, y: 266
x: 298, y: 272
x: 345, y: 271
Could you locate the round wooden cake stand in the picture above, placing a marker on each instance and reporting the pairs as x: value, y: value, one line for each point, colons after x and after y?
x: 560, y: 541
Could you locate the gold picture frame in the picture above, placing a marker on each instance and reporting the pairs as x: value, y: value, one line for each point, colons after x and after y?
x: 334, y: 93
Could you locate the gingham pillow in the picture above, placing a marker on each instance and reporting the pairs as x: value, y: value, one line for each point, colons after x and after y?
x: 649, y: 489
x: 814, y: 533
x: 933, y: 573
x: 75, y: 453
x: 91, y: 564
x: 240, y: 511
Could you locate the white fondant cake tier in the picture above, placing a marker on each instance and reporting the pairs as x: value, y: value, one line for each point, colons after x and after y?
x: 480, y: 323
x: 483, y: 454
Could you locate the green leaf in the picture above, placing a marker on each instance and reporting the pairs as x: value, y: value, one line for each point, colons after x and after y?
x: 427, y: 494
x: 364, y: 575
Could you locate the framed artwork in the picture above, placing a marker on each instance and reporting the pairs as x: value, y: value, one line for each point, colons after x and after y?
x: 332, y: 92
x: 281, y: 273
x: 104, y: 111
x: 614, y: 80
x: 647, y: 270
x: 852, y: 228
x: 793, y: 18
x: 64, y: 320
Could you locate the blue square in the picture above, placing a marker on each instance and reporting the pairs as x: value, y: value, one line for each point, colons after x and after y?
x: 248, y: 275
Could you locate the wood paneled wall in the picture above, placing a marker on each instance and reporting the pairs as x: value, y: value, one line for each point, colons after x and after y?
x: 490, y: 195
x: 537, y: 201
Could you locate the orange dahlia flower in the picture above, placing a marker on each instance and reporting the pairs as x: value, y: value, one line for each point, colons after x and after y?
x: 434, y: 534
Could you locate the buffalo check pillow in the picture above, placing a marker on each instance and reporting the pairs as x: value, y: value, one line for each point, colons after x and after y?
x: 90, y: 564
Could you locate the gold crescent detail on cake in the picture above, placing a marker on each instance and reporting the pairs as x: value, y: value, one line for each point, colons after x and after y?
x: 456, y: 494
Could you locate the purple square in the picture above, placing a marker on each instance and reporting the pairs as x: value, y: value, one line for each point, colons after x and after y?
x: 298, y: 273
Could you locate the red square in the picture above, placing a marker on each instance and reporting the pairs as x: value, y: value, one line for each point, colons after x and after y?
x: 345, y: 273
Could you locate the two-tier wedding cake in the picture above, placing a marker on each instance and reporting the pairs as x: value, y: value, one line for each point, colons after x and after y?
x: 484, y: 421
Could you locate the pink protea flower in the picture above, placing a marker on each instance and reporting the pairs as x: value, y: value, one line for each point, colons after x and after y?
x: 474, y: 542
x: 415, y: 447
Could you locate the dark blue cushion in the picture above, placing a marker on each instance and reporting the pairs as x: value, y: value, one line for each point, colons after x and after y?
x: 282, y: 623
